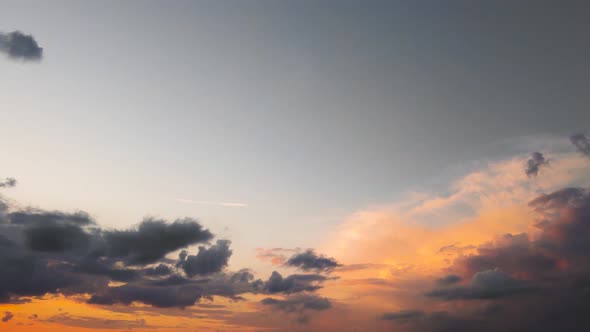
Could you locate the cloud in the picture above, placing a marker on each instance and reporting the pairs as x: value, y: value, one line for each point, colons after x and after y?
x: 294, y: 283
x: 160, y: 270
x: 519, y: 276
x: 54, y: 252
x: 582, y: 143
x: 19, y: 46
x: 7, y: 316
x: 299, y: 305
x: 216, y: 203
x: 153, y: 239
x: 162, y: 296
x: 535, y: 163
x: 8, y: 183
x: 488, y: 284
x: 449, y: 280
x: 309, y: 260
x: 207, y: 260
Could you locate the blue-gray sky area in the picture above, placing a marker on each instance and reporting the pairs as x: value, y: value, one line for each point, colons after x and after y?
x: 294, y: 166
x: 301, y: 112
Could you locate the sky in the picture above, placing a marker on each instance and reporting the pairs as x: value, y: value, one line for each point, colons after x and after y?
x: 294, y: 165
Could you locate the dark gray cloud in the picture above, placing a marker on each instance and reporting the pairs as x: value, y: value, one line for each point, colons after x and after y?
x: 20, y: 46
x: 7, y: 316
x: 160, y: 270
x: 50, y: 252
x: 489, y: 284
x: 448, y: 280
x: 309, y: 260
x: 8, y: 183
x: 582, y: 143
x: 35, y: 217
x: 153, y: 239
x: 207, y: 260
x: 294, y: 283
x: 158, y: 296
x: 56, y: 237
x: 299, y: 305
x: 534, y: 164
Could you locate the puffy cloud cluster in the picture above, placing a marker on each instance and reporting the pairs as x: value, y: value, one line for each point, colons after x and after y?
x: 534, y: 281
x: 53, y: 252
x: 20, y: 46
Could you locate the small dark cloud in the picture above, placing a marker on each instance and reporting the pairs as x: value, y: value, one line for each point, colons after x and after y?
x: 582, y: 143
x: 242, y: 276
x: 309, y: 260
x: 207, y: 260
x: 8, y: 183
x: 448, y: 280
x: 299, y: 305
x: 7, y: 316
x: 159, y: 270
x: 403, y: 315
x: 534, y: 164
x: 294, y: 283
x: 19, y: 46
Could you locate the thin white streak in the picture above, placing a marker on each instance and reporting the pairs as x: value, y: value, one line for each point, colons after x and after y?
x: 230, y: 204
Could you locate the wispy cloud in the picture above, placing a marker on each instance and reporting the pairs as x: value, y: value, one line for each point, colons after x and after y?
x: 216, y: 203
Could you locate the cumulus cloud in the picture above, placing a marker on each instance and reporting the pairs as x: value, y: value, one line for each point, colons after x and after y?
x: 534, y: 164
x: 520, y: 276
x: 207, y: 260
x: 582, y: 143
x: 309, y: 260
x: 20, y: 46
x: 153, y: 239
x: 294, y: 283
x: 54, y: 252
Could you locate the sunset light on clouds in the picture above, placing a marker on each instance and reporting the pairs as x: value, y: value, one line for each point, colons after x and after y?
x: 291, y: 166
